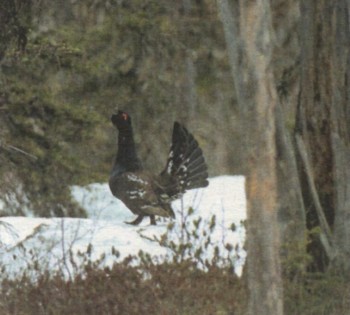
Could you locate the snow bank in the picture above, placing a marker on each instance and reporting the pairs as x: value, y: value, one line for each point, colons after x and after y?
x: 50, y: 242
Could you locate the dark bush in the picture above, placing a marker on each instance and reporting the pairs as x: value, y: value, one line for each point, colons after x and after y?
x: 123, y: 289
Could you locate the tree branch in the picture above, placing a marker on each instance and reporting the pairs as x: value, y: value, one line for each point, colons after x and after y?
x: 326, y: 233
x: 9, y: 147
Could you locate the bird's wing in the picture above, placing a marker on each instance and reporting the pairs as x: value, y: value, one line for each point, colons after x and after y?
x: 137, y: 193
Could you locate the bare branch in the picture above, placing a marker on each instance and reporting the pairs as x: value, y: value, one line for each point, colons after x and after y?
x: 326, y: 234
x: 9, y: 147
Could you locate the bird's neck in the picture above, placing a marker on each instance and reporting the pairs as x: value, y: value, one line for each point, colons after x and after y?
x: 126, y: 160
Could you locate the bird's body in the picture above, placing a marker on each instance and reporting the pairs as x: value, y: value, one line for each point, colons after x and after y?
x: 146, y: 194
x: 138, y: 192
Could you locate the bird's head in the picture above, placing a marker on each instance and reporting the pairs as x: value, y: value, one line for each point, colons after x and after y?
x: 121, y: 120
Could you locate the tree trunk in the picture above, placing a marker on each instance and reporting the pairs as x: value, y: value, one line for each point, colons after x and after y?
x: 291, y: 214
x: 313, y: 119
x: 324, y: 127
x: 313, y: 168
x: 340, y: 136
x: 257, y: 99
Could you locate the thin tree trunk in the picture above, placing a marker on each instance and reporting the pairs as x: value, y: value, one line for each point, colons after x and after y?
x: 340, y: 136
x: 324, y: 125
x: 292, y: 216
x: 257, y: 100
x: 191, y: 93
x: 227, y: 10
x: 314, y: 126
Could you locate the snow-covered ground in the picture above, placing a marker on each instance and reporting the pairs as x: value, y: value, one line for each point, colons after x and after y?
x: 57, y: 244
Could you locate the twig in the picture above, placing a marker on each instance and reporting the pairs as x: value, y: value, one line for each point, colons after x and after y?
x: 10, y: 147
x: 326, y: 234
x: 23, y: 152
x: 64, y: 257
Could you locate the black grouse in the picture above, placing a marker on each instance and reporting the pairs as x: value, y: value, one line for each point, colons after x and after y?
x: 146, y: 194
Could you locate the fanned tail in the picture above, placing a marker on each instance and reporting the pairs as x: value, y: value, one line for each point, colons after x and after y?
x: 186, y: 168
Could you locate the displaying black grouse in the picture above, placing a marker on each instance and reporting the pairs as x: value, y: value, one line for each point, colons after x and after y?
x: 146, y: 194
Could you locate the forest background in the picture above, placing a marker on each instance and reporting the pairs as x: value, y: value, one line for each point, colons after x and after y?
x: 65, y: 66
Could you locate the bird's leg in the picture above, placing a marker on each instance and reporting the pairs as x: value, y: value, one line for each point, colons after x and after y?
x: 153, y: 219
x: 137, y: 221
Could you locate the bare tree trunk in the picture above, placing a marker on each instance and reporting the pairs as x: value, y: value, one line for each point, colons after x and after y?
x: 324, y: 126
x: 191, y: 93
x: 313, y: 121
x: 227, y: 11
x: 257, y: 100
x: 291, y: 212
x: 340, y: 136
x: 318, y: 195
x: 292, y: 217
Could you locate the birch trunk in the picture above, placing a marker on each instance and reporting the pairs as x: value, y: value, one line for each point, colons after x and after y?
x: 257, y: 100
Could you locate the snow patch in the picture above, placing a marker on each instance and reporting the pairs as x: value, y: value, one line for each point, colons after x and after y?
x: 53, y: 240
